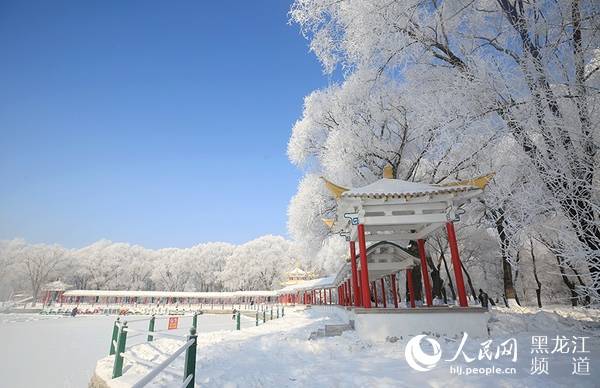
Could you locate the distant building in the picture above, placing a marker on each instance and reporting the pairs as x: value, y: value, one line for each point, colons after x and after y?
x: 296, y: 276
x: 53, y: 291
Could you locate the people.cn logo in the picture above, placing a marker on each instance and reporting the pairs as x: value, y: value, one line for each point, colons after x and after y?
x: 417, y: 358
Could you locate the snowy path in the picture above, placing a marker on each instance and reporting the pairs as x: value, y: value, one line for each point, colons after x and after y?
x: 278, y: 354
x: 61, y: 352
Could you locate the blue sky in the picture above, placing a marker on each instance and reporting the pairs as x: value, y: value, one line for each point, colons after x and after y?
x: 156, y: 123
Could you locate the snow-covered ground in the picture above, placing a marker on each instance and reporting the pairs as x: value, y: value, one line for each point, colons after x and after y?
x: 61, y: 352
x: 279, y: 354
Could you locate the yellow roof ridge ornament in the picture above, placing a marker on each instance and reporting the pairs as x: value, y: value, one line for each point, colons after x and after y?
x: 480, y: 182
x: 388, y: 171
x: 328, y: 221
x: 336, y: 190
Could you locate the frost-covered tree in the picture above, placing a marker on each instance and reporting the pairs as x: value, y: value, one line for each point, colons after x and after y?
x: 260, y: 264
x: 107, y: 265
x: 527, y: 70
x: 172, y: 271
x: 39, y: 262
x: 206, y: 262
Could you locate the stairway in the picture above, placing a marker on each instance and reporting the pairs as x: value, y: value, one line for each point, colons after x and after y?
x: 329, y: 331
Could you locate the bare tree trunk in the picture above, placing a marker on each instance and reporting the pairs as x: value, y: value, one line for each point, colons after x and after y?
x: 450, y: 283
x: 567, y: 281
x: 509, y: 287
x: 437, y: 284
x: 538, y: 290
x: 473, y: 292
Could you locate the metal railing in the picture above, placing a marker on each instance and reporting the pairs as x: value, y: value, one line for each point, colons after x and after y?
x: 118, y: 349
x: 119, y: 340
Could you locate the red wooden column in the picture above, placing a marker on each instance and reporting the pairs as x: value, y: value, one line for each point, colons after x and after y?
x: 330, y: 300
x: 350, y: 303
x: 394, y: 290
x: 354, y: 274
x: 458, y: 276
x: 364, y: 267
x: 374, y: 285
x: 324, y: 296
x: 411, y: 288
x: 425, y: 272
x: 383, y: 293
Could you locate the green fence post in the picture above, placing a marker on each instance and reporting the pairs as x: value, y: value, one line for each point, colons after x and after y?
x: 271, y: 313
x: 237, y: 321
x: 257, y: 318
x: 195, y: 321
x: 115, y: 333
x: 277, y: 311
x: 118, y: 365
x: 190, y: 359
x: 264, y: 316
x: 282, y: 311
x: 151, y: 327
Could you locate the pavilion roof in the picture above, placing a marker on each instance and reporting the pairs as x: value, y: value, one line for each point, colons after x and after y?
x: 296, y: 272
x: 56, y: 285
x: 325, y: 282
x: 396, y: 188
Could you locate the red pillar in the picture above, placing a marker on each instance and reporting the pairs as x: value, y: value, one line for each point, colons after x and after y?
x: 349, y: 292
x: 394, y: 290
x: 458, y: 276
x: 346, y: 294
x: 359, y: 288
x: 411, y: 288
x: 425, y: 272
x: 383, y: 293
x: 324, y: 296
x: 364, y: 267
x: 354, y: 273
x: 330, y: 300
x: 374, y: 285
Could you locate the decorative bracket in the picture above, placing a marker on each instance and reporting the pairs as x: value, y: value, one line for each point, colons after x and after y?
x: 453, y: 214
x: 345, y: 234
x: 353, y: 217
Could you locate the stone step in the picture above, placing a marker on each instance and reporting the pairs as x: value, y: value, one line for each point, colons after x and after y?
x: 329, y: 331
x: 334, y: 330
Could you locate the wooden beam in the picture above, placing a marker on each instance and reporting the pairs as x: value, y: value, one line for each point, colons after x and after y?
x: 399, y: 220
x: 428, y: 229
